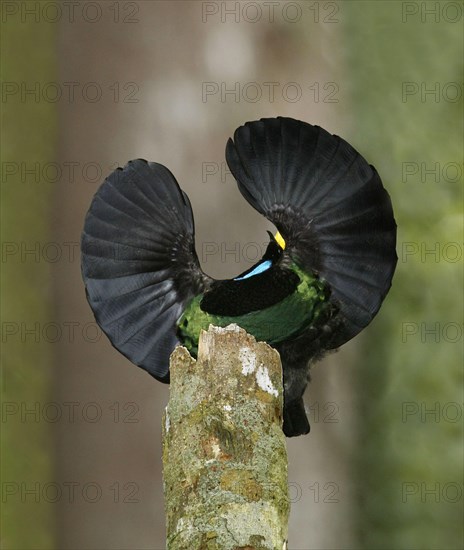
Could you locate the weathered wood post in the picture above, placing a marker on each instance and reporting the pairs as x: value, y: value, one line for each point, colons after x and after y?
x: 224, y: 452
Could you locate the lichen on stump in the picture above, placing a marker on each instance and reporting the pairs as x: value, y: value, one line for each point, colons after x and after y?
x: 224, y: 452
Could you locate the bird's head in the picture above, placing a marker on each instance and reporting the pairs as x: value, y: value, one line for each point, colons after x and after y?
x: 275, y: 248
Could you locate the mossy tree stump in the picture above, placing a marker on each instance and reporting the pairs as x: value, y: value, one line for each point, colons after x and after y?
x: 224, y: 452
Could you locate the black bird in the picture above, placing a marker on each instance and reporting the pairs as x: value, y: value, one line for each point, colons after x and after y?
x: 321, y: 281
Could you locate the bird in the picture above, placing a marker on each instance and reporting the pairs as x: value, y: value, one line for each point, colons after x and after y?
x: 322, y: 279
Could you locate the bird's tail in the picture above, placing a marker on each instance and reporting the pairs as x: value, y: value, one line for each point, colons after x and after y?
x: 295, y: 419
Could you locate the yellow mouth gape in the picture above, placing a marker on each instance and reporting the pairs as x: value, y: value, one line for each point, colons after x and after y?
x: 280, y: 240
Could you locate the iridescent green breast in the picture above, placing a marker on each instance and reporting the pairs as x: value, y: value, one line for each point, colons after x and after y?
x: 286, y: 305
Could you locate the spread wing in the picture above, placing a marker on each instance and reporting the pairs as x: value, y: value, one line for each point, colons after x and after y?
x: 139, y: 262
x: 329, y: 205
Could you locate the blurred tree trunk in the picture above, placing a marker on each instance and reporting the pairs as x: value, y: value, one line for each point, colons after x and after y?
x: 224, y: 452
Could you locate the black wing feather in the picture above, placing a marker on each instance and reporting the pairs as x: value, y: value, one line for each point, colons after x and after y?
x: 329, y: 205
x: 139, y: 262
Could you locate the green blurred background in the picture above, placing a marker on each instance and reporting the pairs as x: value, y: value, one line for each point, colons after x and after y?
x: 80, y: 428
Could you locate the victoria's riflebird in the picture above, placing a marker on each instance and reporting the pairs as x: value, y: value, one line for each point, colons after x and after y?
x: 321, y: 280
